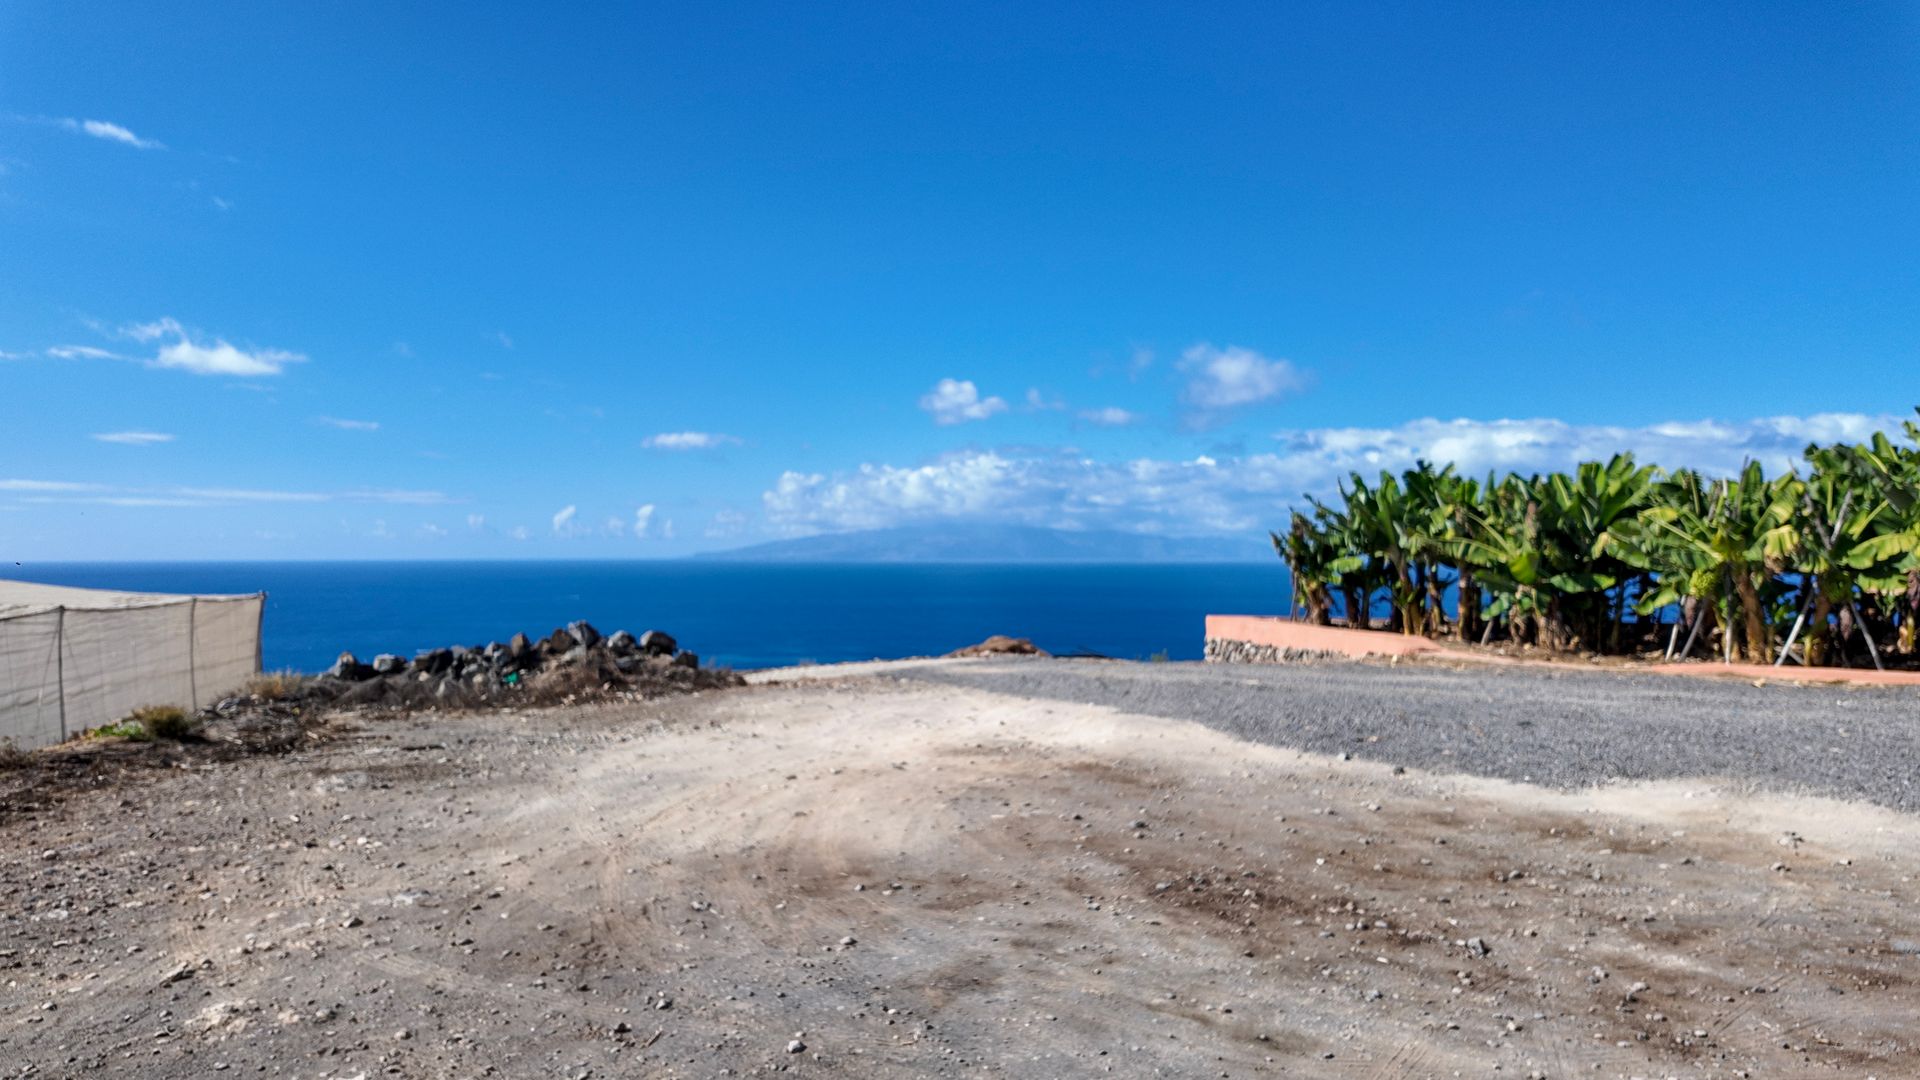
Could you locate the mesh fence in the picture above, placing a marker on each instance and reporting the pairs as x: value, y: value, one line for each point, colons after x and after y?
x: 68, y: 669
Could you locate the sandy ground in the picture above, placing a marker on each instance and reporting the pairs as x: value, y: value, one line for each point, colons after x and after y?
x: 878, y: 876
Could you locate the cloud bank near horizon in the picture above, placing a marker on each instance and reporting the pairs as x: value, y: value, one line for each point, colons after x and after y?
x: 1209, y: 494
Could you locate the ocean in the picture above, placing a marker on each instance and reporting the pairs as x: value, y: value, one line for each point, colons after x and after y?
x: 743, y: 615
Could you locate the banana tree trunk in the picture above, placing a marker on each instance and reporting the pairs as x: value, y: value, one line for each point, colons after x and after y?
x: 1758, y: 639
x: 1818, y: 633
x: 1911, y: 608
x: 1553, y: 627
x: 1700, y: 619
x: 1358, y: 617
x: 1319, y: 605
x: 1469, y: 624
x: 1407, y: 599
x: 1436, y: 611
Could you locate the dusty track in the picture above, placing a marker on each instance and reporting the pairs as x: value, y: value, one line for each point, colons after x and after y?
x: 911, y: 879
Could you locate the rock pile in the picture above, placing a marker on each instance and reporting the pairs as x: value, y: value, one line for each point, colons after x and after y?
x: 1001, y: 645
x: 573, y: 660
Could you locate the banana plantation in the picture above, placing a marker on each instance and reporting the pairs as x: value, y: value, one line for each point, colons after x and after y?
x: 1820, y: 566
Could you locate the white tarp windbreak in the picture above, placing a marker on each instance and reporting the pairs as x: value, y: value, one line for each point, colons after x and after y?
x: 73, y: 659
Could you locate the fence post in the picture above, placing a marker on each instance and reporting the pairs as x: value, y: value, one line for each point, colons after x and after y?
x: 193, y: 658
x: 60, y: 665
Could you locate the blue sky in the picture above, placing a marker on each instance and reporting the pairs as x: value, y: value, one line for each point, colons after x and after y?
x: 395, y: 281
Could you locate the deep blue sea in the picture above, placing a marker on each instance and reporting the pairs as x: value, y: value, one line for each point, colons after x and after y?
x: 743, y: 615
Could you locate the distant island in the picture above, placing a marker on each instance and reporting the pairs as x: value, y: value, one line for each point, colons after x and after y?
x: 1001, y: 544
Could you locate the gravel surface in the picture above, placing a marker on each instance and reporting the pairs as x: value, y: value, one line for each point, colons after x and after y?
x: 885, y: 877
x: 1561, y: 729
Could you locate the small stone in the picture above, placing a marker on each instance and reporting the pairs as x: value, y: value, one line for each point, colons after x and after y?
x: 795, y: 1046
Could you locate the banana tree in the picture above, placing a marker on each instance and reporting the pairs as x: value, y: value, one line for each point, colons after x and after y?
x: 1593, y: 518
x: 1498, y: 541
x: 1738, y: 530
x: 1861, y: 535
x: 1381, y: 526
x: 1316, y: 563
x: 1890, y: 472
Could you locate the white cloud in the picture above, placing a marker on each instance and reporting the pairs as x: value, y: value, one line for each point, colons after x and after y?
x: 476, y: 521
x: 563, y: 521
x: 688, y: 440
x: 726, y: 523
x: 1039, y: 402
x: 521, y: 532
x: 615, y: 526
x: 432, y: 531
x: 251, y: 495
x: 184, y: 353
x: 61, y: 491
x: 409, y: 498
x: 666, y: 529
x: 154, y: 331
x: 956, y: 401
x: 221, y: 358
x: 1141, y: 360
x: 1220, y: 494
x: 962, y: 485
x: 350, y: 425
x: 101, y: 129
x: 642, y: 521
x: 122, y: 500
x: 1476, y: 447
x: 82, y: 352
x: 133, y: 438
x: 46, y: 485
x: 1231, y: 377
x: 1111, y: 416
x: 501, y: 337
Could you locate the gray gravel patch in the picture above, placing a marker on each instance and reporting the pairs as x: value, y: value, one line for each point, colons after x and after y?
x: 1566, y: 730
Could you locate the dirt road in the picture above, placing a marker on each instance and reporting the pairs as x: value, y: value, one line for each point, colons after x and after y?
x: 893, y: 877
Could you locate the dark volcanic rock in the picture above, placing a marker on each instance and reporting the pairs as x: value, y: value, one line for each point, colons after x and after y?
x: 570, y: 663
x: 434, y: 661
x: 350, y: 668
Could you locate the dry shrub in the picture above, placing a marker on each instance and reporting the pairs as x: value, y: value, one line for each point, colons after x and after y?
x: 162, y: 722
x: 275, y: 685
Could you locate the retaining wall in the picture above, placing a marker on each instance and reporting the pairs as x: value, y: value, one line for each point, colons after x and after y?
x: 1263, y: 639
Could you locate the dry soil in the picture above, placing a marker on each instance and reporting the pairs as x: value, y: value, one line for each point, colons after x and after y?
x: 887, y: 876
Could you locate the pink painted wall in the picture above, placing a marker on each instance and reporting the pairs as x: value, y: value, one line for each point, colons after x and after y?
x: 1286, y: 634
